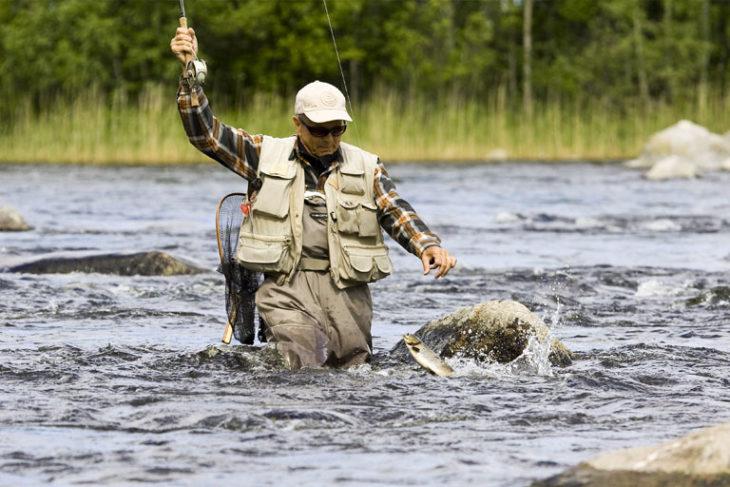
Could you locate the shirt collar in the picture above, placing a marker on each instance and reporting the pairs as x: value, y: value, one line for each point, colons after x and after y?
x: 327, y: 162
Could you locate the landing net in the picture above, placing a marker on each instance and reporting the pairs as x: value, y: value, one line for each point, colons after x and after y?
x: 241, y: 284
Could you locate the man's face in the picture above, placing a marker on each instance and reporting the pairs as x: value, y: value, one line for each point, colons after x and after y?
x: 320, y: 139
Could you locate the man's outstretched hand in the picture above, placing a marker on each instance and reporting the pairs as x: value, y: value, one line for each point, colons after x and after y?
x: 437, y: 258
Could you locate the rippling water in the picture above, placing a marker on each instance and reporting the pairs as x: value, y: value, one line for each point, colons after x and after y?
x: 105, y: 379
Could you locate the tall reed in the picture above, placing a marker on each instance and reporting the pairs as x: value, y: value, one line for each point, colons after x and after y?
x: 107, y: 129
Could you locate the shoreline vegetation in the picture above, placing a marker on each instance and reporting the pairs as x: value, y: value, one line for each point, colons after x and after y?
x: 94, y: 128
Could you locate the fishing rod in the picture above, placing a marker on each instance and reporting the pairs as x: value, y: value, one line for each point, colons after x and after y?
x: 195, y: 70
x: 339, y: 64
x: 337, y: 53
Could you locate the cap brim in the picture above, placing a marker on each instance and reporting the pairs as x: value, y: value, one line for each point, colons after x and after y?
x: 322, y: 116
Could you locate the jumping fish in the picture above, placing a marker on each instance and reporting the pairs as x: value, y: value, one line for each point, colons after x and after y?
x: 426, y: 357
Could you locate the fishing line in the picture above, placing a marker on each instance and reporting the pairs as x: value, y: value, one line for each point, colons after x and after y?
x: 339, y: 62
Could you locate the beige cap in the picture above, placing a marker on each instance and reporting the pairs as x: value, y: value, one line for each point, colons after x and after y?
x: 321, y: 102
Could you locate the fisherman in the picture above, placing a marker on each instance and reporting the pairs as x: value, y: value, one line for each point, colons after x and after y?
x: 317, y: 206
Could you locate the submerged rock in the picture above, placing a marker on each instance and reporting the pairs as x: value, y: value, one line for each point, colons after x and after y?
x: 684, y: 150
x: 12, y: 221
x: 713, y: 296
x: 245, y: 357
x: 701, y: 458
x: 492, y: 331
x: 153, y: 263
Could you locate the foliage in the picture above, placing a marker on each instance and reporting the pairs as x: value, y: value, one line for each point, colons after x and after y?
x: 582, y: 48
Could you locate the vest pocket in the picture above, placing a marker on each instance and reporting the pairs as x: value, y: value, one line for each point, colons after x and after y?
x: 269, y: 213
x: 261, y: 252
x: 347, y: 220
x: 364, y: 263
x: 273, y: 199
x: 368, y: 219
x: 352, y: 181
x: 357, y: 218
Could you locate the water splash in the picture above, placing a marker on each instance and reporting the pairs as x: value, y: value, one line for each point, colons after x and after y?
x: 534, y: 361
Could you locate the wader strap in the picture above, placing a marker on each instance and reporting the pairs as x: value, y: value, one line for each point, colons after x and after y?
x: 310, y: 264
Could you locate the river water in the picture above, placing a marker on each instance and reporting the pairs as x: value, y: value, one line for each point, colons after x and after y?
x: 102, y: 381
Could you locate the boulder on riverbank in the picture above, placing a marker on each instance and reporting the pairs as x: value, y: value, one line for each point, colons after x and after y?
x: 701, y: 458
x: 684, y: 150
x: 492, y: 331
x: 153, y: 263
x: 12, y: 221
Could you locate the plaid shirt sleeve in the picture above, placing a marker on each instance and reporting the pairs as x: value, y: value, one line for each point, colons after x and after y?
x: 233, y: 148
x: 398, y: 218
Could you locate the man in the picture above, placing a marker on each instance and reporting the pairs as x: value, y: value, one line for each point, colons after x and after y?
x: 317, y: 207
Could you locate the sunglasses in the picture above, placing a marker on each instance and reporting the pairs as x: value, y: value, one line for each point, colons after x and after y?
x: 324, y: 131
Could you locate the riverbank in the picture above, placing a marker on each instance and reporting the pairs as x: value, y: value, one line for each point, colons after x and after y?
x: 98, y: 129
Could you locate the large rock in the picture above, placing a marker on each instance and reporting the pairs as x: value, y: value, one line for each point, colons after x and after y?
x: 153, y: 263
x: 701, y: 458
x: 684, y: 150
x: 672, y: 167
x: 12, y: 221
x: 492, y: 331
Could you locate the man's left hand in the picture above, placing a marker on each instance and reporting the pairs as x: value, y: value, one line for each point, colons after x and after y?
x: 437, y: 258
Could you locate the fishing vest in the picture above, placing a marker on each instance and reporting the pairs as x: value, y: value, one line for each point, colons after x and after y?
x: 270, y: 239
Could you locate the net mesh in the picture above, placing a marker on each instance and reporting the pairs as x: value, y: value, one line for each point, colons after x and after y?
x: 241, y: 284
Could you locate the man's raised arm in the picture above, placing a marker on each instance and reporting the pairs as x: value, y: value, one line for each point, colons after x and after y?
x: 234, y: 148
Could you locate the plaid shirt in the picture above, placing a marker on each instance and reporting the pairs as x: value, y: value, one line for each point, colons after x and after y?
x: 239, y: 151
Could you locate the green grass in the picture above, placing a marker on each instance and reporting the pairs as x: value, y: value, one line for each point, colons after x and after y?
x: 98, y: 129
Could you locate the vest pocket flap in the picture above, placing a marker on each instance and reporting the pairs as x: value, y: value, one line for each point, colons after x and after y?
x: 361, y: 263
x: 273, y: 199
x: 383, y: 263
x: 282, y: 171
x: 363, y: 257
x: 352, y: 171
x: 350, y: 205
x: 352, y: 181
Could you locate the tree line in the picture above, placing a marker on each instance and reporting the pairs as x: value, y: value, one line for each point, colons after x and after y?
x: 625, y: 52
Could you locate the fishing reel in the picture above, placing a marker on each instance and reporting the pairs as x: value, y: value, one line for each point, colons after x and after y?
x: 196, y: 71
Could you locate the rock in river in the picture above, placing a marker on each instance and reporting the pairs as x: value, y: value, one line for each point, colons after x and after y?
x: 495, y: 330
x: 153, y: 263
x: 12, y: 221
x: 684, y: 150
x: 701, y: 458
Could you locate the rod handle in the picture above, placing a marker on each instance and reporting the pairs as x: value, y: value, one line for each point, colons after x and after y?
x: 188, y: 57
